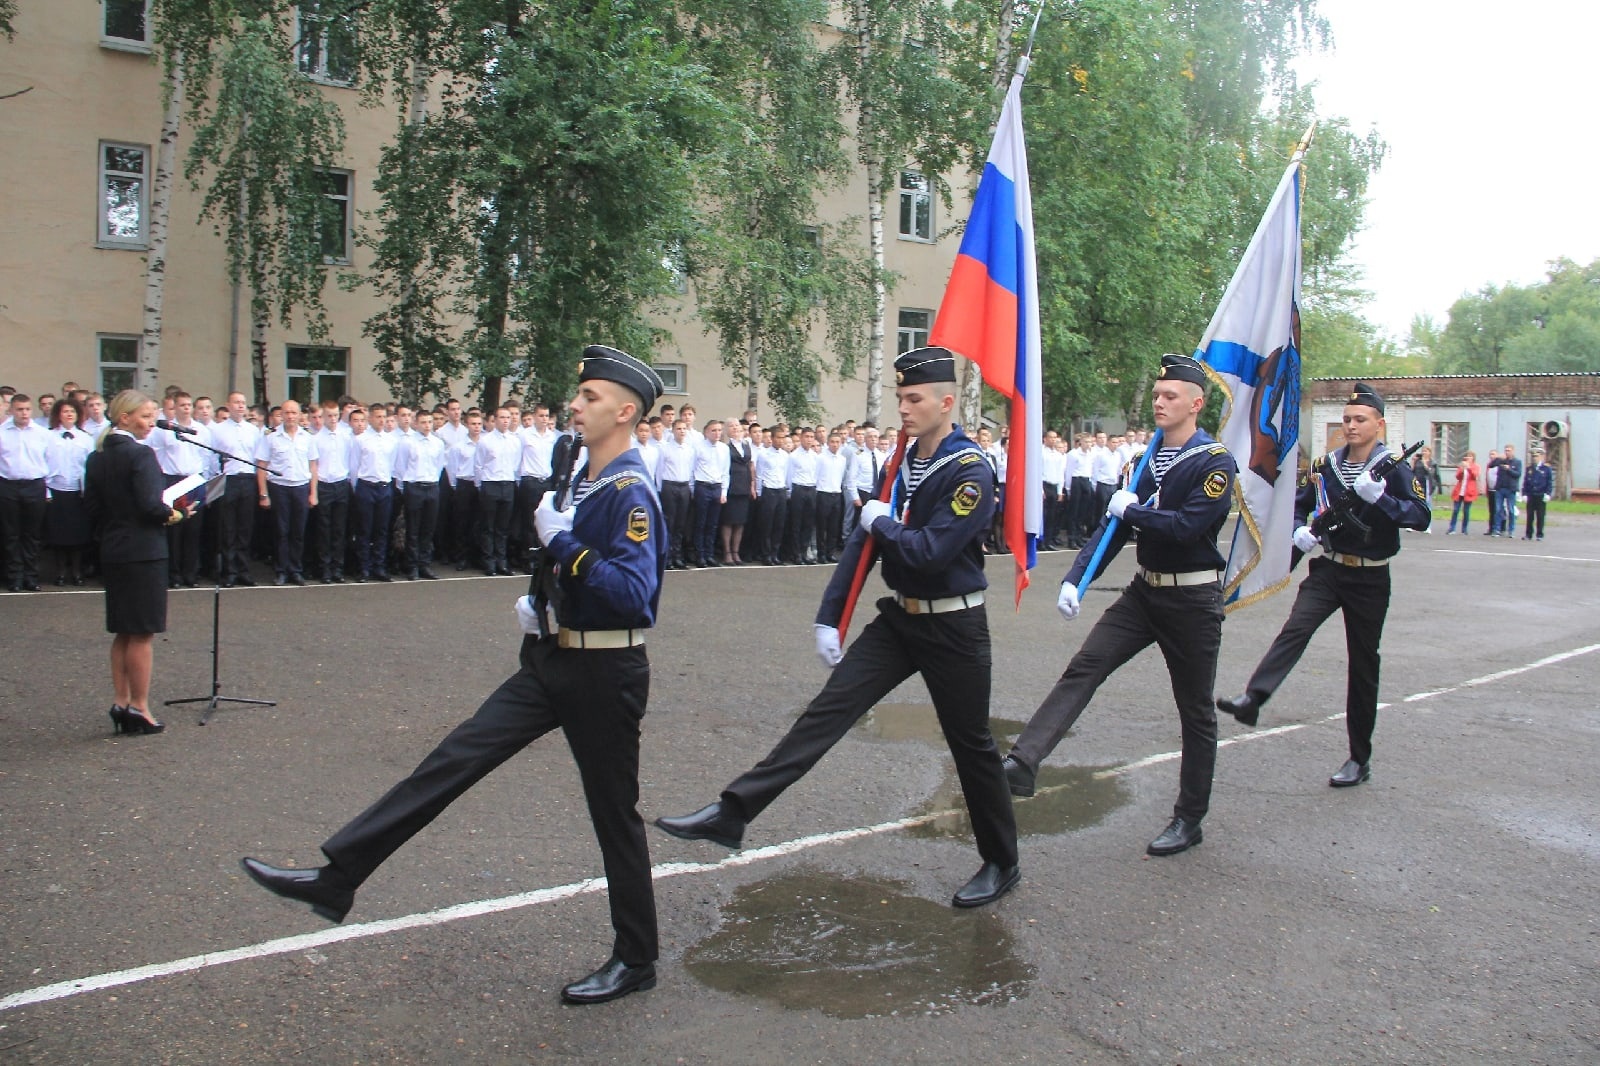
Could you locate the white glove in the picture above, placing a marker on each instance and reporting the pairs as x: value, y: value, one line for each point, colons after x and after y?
x: 873, y: 510
x: 1121, y: 500
x: 1067, y: 602
x: 527, y: 616
x: 1370, y: 488
x: 828, y: 649
x: 549, y: 521
x: 1304, y: 539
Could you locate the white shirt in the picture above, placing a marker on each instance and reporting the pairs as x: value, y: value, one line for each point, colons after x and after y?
x: 333, y: 455
x: 288, y: 456
x: 499, y: 455
x: 536, y: 449
x: 1052, y: 467
x: 451, y: 435
x: 24, y: 453
x: 831, y: 469
x: 95, y: 426
x: 238, y: 439
x: 65, y: 459
x: 1080, y: 463
x: 176, y: 452
x: 802, y: 469
x: 1107, y: 471
x: 864, y: 471
x: 420, y: 458
x: 676, y: 462
x: 462, y: 460
x: 371, y: 457
x: 711, y: 463
x: 650, y: 455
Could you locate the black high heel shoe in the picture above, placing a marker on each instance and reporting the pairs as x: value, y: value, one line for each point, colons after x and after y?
x: 119, y: 719
x: 139, y: 721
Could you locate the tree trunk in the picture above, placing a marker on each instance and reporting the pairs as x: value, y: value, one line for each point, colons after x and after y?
x: 155, y: 271
x: 260, y: 316
x: 410, y: 359
x: 869, y: 155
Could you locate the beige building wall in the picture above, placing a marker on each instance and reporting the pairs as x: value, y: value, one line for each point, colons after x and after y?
x: 63, y: 291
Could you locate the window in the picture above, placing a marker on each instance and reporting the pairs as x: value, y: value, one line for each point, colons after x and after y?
x: 119, y: 363
x: 325, y: 43
x: 123, y: 192
x: 916, y: 207
x: 674, y: 376
x: 913, y: 330
x: 1334, y: 438
x: 124, y: 25
x: 675, y: 263
x: 316, y: 374
x: 335, y: 221
x: 1449, y: 442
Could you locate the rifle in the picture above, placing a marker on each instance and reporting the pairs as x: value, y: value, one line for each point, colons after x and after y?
x: 543, y: 588
x: 1342, y: 512
x: 891, y: 470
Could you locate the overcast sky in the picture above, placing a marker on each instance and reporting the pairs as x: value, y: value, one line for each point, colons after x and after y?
x: 1489, y: 116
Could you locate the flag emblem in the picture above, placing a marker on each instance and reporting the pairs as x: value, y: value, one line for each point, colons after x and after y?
x: 966, y: 499
x: 638, y: 525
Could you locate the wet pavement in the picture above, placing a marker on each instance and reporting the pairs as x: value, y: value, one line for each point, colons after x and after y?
x: 1446, y: 912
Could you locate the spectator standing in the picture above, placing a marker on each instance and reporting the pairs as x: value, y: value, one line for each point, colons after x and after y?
x: 1537, y: 486
x: 67, y: 530
x: 1466, y: 490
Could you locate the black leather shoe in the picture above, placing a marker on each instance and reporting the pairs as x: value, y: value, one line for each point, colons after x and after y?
x: 1351, y: 773
x: 612, y: 981
x: 987, y: 885
x: 1181, y: 835
x: 1018, y: 777
x: 382, y: 575
x: 297, y: 579
x: 1246, y: 708
x: 247, y: 582
x: 281, y: 579
x: 328, y: 897
x: 427, y: 575
x: 711, y: 823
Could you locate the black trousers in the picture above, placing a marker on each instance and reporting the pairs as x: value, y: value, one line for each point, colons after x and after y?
x: 1052, y: 513
x: 1535, y: 506
x: 495, y: 501
x: 598, y: 699
x: 236, y: 518
x: 333, y: 524
x: 290, y: 505
x: 183, y: 544
x: 951, y: 652
x: 707, y: 509
x: 1186, y: 624
x: 675, y: 507
x: 22, y: 504
x: 522, y: 537
x: 373, y: 502
x: 464, y: 528
x: 830, y: 524
x: 1083, y: 499
x: 1362, y: 593
x: 772, y: 509
x: 800, y: 531
x: 422, y: 517
x: 444, y: 533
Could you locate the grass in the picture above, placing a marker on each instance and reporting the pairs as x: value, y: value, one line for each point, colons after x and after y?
x: 1480, y: 509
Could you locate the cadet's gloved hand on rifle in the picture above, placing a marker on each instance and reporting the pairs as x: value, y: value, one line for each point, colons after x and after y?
x: 1121, y: 500
x: 1067, y: 602
x: 1304, y: 539
x: 873, y: 510
x: 1370, y: 488
x: 828, y: 649
x: 527, y: 616
x: 549, y: 521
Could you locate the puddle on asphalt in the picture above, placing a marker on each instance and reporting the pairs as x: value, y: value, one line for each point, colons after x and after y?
x: 1067, y: 798
x: 858, y: 948
x: 919, y: 721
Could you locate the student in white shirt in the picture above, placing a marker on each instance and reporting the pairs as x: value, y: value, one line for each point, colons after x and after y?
x: 67, y: 528
x: 831, y: 470
x: 371, y: 458
x: 710, y: 489
x: 498, y: 457
x: 180, y: 457
x: 288, y: 488
x: 419, y: 462
x: 463, y: 474
x: 236, y: 511
x: 675, y: 479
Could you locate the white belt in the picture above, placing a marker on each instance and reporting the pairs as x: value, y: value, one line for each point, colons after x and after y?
x: 600, y: 639
x: 1344, y: 559
x: 950, y: 603
x: 1192, y: 577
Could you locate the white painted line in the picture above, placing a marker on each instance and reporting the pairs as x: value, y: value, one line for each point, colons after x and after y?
x: 749, y: 857
x: 1510, y: 555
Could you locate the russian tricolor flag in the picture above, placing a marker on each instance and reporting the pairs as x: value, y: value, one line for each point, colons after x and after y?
x: 990, y: 314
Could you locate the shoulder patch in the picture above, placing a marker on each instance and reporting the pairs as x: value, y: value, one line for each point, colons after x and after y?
x: 966, y: 499
x: 1215, y: 484
x: 969, y: 456
x: 1419, y: 488
x: 638, y: 525
x: 1217, y: 449
x: 625, y: 483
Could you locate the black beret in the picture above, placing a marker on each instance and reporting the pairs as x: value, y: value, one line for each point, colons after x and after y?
x: 610, y: 364
x: 1367, y: 395
x: 1182, y: 368
x: 920, y: 366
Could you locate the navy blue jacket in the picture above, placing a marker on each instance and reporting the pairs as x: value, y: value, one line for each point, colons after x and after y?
x: 1402, y: 505
x: 612, y: 559
x: 1178, y: 525
x: 122, y: 487
x: 938, y: 550
x: 1540, y: 480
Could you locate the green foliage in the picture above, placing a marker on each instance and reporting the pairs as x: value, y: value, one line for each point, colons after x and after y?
x: 8, y: 12
x: 1549, y: 327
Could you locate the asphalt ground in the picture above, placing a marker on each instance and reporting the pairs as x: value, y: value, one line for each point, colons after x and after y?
x: 1446, y: 912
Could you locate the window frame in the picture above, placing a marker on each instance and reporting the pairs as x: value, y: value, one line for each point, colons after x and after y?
x: 674, y: 378
x: 318, y: 70
x: 104, y: 238
x: 348, y: 199
x: 102, y: 364
x: 912, y: 195
x: 903, y: 332
x: 115, y: 43
x: 1436, y: 439
x: 314, y: 376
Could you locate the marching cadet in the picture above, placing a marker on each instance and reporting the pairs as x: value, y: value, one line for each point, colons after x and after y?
x: 929, y: 539
x: 589, y: 677
x: 1175, y: 600
x: 1353, y: 578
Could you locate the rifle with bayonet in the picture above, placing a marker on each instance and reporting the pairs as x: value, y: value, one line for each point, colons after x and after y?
x: 1340, y: 513
x: 543, y: 588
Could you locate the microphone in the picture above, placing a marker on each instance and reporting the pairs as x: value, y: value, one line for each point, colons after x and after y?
x: 173, y: 427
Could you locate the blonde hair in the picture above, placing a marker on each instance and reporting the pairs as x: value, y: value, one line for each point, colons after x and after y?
x: 123, y: 403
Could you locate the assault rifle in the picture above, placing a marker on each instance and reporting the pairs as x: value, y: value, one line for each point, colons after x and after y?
x: 1342, y: 512
x: 543, y: 588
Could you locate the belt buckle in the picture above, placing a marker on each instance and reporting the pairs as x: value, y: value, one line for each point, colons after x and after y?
x: 911, y: 604
x: 1350, y: 560
x: 1153, y: 580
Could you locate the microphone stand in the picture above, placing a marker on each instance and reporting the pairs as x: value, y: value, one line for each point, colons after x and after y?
x: 216, y: 696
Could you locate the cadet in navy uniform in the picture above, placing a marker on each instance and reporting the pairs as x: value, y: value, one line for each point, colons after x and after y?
x: 930, y: 540
x: 589, y: 677
x: 1174, y: 601
x: 1355, y: 578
